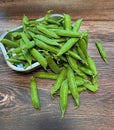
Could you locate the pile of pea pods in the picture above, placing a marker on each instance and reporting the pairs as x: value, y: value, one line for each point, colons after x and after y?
x: 62, y: 50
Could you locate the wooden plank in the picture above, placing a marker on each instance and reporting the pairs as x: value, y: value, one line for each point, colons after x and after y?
x: 87, y: 9
x: 96, y: 110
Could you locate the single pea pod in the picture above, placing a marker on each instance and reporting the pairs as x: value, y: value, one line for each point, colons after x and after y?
x: 77, y: 24
x: 86, y: 70
x: 81, y: 53
x: 46, y: 47
x: 83, y: 46
x: 92, y: 65
x: 9, y: 43
x: 34, y: 94
x: 58, y: 82
x: 47, y: 40
x: 74, y: 55
x: 47, y: 32
x: 67, y: 33
x: 95, y: 82
x: 67, y: 22
x: 72, y: 85
x: 90, y: 87
x: 73, y: 64
x: 47, y: 75
x: 67, y: 46
x: 102, y: 51
x: 39, y: 57
x: 63, y: 97
x: 52, y: 64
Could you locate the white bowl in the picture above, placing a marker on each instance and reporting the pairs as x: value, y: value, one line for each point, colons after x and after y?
x: 19, y: 68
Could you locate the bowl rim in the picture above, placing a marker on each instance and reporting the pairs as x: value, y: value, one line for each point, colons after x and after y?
x: 4, y: 52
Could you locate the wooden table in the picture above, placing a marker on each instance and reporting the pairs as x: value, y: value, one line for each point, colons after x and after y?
x: 97, y: 110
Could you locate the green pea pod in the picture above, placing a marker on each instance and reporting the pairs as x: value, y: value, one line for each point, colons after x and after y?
x: 63, y: 97
x: 102, y: 51
x: 47, y: 32
x: 81, y: 53
x: 92, y: 65
x: 34, y: 94
x: 67, y: 33
x: 27, y: 56
x: 25, y: 20
x: 47, y: 40
x: 74, y: 55
x: 58, y: 82
x: 80, y: 81
x: 74, y: 66
x: 95, y: 82
x: 67, y: 46
x: 46, y: 47
x: 52, y: 64
x: 81, y: 89
x: 48, y: 14
x: 9, y: 43
x: 39, y: 57
x: 83, y: 46
x: 47, y: 75
x: 90, y: 87
x: 67, y: 22
x: 77, y: 25
x: 73, y: 86
x: 86, y: 70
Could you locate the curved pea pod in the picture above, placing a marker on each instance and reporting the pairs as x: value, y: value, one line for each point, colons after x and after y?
x: 67, y: 22
x: 46, y: 47
x: 47, y: 75
x: 58, y: 82
x: 47, y: 32
x: 39, y: 57
x: 34, y: 94
x: 92, y: 65
x: 9, y: 43
x: 67, y: 46
x: 102, y: 51
x: 72, y: 85
x: 77, y: 25
x: 63, y: 97
x: 48, y: 14
x: 52, y: 64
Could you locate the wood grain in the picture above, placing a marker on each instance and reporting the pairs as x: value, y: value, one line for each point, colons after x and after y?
x: 96, y: 110
x: 88, y: 9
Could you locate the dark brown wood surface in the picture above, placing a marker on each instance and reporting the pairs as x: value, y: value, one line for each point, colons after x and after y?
x: 97, y: 110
